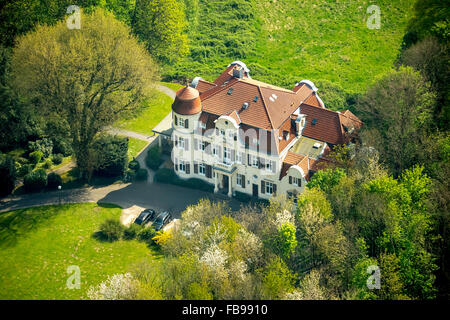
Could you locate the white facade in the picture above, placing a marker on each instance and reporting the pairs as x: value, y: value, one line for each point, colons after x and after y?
x: 219, y: 157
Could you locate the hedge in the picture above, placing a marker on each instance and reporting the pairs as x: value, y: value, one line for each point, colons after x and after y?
x: 54, y: 180
x: 153, y: 159
x: 35, y: 181
x: 166, y: 175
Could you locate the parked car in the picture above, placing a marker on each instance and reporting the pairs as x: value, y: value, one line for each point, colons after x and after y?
x: 161, y: 220
x: 145, y: 217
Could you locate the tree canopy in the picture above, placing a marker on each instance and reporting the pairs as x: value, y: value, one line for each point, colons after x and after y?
x: 84, y: 77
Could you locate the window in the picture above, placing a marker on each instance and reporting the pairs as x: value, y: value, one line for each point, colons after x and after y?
x: 240, y: 178
x: 182, y: 166
x: 239, y: 157
x: 181, y: 122
x: 255, y: 141
x: 202, y: 146
x: 222, y: 132
x: 181, y: 142
x: 254, y: 161
x: 296, y: 181
x: 269, y: 187
x: 202, y: 169
x: 202, y: 125
x: 214, y: 150
x: 269, y: 165
x: 226, y: 155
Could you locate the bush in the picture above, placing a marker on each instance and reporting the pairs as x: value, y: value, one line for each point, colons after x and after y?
x: 132, y: 231
x: 142, y: 174
x: 7, y: 175
x: 35, y: 181
x: 47, y: 164
x: 44, y: 145
x: 112, y: 156
x: 35, y: 157
x: 243, y: 197
x: 134, y: 165
x: 54, y: 180
x: 62, y: 146
x: 165, y: 175
x: 153, y: 159
x: 111, y: 230
x: 130, y: 175
x: 57, y: 158
x: 25, y: 169
x: 147, y: 234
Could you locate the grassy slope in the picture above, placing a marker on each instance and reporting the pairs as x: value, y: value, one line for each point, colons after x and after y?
x: 38, y: 244
x: 285, y: 41
x: 152, y: 112
x: 134, y: 147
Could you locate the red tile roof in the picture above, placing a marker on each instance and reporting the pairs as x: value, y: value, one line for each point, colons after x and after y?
x: 187, y: 101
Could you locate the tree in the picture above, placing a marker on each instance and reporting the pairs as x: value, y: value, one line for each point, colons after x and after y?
x: 326, y: 179
x: 431, y: 59
x: 285, y: 242
x: 7, y: 175
x: 111, y: 158
x: 116, y: 287
x: 397, y: 111
x: 85, y: 78
x: 161, y: 25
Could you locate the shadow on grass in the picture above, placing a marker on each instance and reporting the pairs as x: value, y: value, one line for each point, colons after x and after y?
x: 16, y: 223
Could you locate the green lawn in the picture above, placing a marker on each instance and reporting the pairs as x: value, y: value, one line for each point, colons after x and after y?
x: 172, y: 85
x: 285, y: 41
x: 149, y: 115
x: 134, y: 146
x: 37, y: 245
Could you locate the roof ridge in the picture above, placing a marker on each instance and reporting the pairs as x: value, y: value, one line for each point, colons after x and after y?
x: 265, y: 107
x: 221, y: 88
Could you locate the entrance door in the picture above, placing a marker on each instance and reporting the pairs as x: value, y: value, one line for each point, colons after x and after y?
x: 255, y: 190
x: 225, y: 182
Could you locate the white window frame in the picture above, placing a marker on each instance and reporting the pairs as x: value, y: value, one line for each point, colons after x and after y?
x: 269, y: 187
x: 222, y: 132
x: 214, y: 150
x: 226, y: 155
x: 268, y: 165
x: 181, y: 143
x: 254, y: 161
x: 238, y: 157
x: 181, y: 122
x: 202, y: 125
x: 202, y: 146
x: 182, y: 166
x: 239, y: 179
x: 202, y: 169
x: 295, y: 181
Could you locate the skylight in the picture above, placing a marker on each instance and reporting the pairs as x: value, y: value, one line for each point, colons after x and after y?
x: 230, y: 91
x: 314, y: 121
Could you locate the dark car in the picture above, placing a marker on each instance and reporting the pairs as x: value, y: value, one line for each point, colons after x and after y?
x: 145, y: 217
x: 161, y: 220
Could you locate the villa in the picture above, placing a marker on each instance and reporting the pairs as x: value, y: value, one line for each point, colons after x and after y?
x: 243, y: 135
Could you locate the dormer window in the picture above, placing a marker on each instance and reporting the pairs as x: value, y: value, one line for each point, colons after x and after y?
x: 313, y: 122
x: 230, y: 91
x: 202, y: 125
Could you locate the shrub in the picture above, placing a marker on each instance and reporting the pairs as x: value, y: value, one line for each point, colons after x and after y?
x: 165, y: 175
x: 54, y: 180
x: 162, y: 237
x: 57, y: 158
x: 47, y: 164
x: 130, y: 175
x: 62, y: 146
x: 112, y: 156
x: 243, y: 197
x: 44, y: 145
x: 134, y: 165
x: 35, y: 181
x: 142, y: 174
x: 153, y: 159
x: 147, y: 234
x: 35, y: 157
x: 111, y: 230
x: 132, y: 231
x: 7, y: 175
x: 25, y: 169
